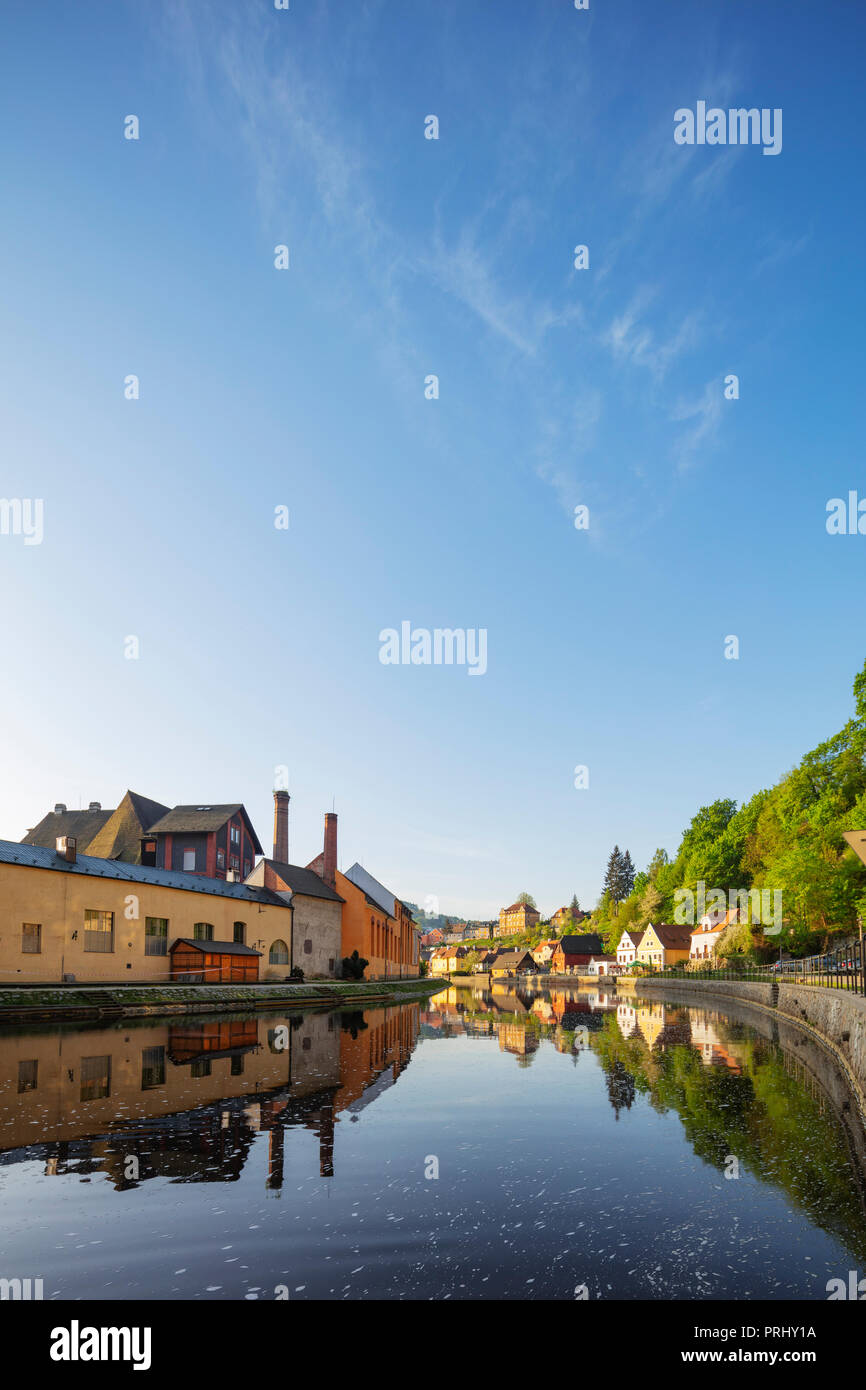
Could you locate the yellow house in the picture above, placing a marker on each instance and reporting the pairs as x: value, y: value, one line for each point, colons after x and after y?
x: 664, y: 945
x: 69, y: 915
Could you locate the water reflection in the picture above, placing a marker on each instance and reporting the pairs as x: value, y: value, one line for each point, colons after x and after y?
x: 185, y: 1100
x: 581, y: 1136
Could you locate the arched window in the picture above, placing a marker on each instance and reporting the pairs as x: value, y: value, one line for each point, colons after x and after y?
x: 202, y: 931
x: 278, y: 954
x: 240, y: 933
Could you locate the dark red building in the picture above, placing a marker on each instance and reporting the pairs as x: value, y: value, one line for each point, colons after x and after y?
x: 214, y: 841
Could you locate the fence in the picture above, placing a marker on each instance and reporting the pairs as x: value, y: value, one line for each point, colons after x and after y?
x: 843, y: 967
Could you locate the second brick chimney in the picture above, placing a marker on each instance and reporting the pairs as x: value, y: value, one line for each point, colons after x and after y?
x: 329, y: 859
x: 281, y: 827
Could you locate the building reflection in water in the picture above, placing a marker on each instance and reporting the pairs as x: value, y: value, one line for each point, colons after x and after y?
x: 184, y: 1101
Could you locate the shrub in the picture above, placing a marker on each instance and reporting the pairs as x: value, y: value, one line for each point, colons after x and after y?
x: 296, y: 973
x: 354, y: 966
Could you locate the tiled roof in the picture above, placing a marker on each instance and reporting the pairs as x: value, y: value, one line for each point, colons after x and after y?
x: 37, y: 857
x: 306, y: 882
x: 515, y: 907
x: 673, y: 936
x: 581, y: 945
x: 82, y: 824
x: 202, y: 820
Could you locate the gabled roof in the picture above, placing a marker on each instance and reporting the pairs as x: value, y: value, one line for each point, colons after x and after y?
x: 512, y: 958
x: 203, y: 819
x: 120, y: 837
x: 581, y: 945
x: 82, y: 824
x: 672, y: 935
x: 215, y: 948
x: 635, y: 937
x: 38, y: 857
x: 305, y: 882
x: 372, y: 887
x: 515, y: 907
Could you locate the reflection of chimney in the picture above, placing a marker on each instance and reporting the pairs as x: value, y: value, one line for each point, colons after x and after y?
x: 329, y: 864
x: 281, y: 827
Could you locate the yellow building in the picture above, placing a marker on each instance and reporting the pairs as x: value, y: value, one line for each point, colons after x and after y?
x: 664, y: 945
x: 63, y: 914
x: 517, y: 918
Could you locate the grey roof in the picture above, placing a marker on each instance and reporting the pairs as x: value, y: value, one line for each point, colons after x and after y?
x: 82, y: 824
x: 373, y: 888
x: 202, y: 819
x: 216, y: 948
x: 306, y: 882
x: 38, y: 857
x: 582, y: 945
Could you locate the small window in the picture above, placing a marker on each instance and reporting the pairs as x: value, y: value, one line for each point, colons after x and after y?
x: 98, y: 931
x: 246, y: 868
x: 31, y: 938
x: 236, y: 835
x: 203, y: 931
x: 238, y: 1066
x: 308, y: 947
x: 27, y: 1076
x: 152, y: 1067
x: 240, y: 933
x: 95, y: 1078
x: 189, y: 860
x: 278, y: 954
x: 155, y: 936
x: 331, y: 965
x: 200, y: 1067
x: 221, y: 858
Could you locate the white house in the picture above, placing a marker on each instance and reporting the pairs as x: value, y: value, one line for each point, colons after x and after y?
x: 626, y: 951
x: 602, y: 965
x: 708, y: 933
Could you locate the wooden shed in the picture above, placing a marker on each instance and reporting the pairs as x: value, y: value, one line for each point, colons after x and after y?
x: 214, y: 962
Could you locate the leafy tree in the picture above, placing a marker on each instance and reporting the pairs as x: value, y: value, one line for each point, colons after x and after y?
x: 528, y: 899
x: 354, y: 966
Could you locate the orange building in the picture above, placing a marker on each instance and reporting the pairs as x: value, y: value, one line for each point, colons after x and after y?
x: 375, y: 923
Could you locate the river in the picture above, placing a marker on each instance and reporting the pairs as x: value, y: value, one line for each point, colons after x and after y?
x: 507, y: 1144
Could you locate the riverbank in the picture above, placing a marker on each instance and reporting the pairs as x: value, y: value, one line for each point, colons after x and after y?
x: 86, y: 1003
x: 835, y: 1018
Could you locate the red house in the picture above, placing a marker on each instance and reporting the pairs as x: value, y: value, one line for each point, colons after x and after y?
x: 213, y: 962
x: 214, y: 841
x: 573, y: 953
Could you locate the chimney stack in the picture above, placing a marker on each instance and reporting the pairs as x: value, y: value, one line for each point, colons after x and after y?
x: 329, y: 865
x: 281, y: 827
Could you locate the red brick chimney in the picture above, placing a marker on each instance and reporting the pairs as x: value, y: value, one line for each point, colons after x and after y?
x: 329, y: 860
x: 281, y: 827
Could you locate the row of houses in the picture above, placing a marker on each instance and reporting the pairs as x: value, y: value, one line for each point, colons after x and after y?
x: 148, y: 893
x: 570, y: 955
x: 665, y: 944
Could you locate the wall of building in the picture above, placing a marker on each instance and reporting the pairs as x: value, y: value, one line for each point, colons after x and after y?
x: 57, y: 901
x: 387, y: 943
x: 317, y: 935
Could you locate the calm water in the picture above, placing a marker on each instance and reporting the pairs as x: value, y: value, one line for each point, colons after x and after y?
x: 578, y: 1141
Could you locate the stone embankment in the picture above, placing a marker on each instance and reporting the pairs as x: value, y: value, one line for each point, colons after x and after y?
x: 87, y: 1003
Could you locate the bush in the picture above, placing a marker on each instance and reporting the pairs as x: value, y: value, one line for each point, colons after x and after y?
x: 354, y: 966
x: 296, y: 973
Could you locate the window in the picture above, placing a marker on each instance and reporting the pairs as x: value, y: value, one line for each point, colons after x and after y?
x: 152, y: 1067
x: 27, y: 1074
x: 95, y: 1078
x: 203, y: 931
x: 237, y: 1066
x: 189, y: 860
x: 234, y: 862
x: 236, y: 835
x: 155, y: 936
x: 278, y: 954
x: 246, y: 868
x: 308, y: 947
x: 240, y: 933
x: 200, y: 1067
x: 31, y: 938
x: 221, y: 858
x: 98, y: 930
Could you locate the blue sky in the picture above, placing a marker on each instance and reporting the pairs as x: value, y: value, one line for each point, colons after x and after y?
x: 305, y: 388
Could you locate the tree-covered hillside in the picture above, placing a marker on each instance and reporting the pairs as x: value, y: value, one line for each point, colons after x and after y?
x: 787, y: 838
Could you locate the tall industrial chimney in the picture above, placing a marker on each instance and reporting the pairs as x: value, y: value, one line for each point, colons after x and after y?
x: 329, y: 860
x: 281, y: 827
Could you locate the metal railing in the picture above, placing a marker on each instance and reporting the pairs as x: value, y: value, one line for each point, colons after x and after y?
x: 842, y: 967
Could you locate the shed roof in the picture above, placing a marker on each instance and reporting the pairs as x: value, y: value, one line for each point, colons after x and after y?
x: 215, y: 948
